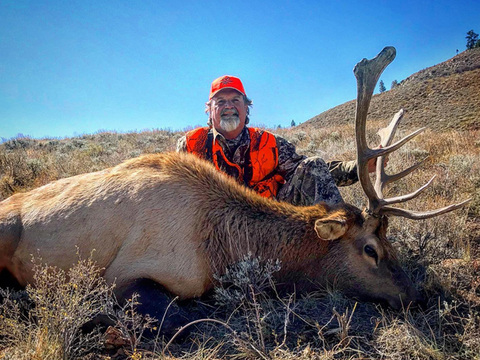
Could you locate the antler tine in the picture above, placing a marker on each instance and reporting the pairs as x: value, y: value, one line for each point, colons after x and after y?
x: 388, y: 149
x: 386, y: 135
x: 403, y: 198
x: 422, y: 215
x: 367, y: 73
x: 402, y: 174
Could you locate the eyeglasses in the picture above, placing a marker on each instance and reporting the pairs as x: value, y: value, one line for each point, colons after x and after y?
x: 220, y: 103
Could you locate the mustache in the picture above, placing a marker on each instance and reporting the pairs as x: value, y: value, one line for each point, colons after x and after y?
x: 231, y: 112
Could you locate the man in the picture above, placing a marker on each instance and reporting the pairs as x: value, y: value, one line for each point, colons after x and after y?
x: 258, y: 159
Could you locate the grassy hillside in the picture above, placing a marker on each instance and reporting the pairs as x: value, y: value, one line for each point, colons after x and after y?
x: 444, y: 96
x: 441, y: 254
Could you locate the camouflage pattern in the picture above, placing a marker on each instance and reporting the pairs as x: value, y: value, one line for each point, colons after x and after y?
x: 310, y: 183
x: 344, y: 172
x: 308, y: 180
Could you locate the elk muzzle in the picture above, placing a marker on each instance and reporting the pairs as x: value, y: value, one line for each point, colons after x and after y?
x: 408, y: 294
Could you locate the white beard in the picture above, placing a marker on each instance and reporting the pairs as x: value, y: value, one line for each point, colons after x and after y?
x: 229, y: 123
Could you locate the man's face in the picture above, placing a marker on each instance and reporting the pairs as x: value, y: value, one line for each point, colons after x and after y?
x: 228, y: 112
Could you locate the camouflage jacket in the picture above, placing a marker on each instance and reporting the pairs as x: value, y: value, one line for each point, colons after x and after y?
x: 343, y: 172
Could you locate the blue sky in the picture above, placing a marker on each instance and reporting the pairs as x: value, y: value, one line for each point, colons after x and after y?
x: 73, y: 67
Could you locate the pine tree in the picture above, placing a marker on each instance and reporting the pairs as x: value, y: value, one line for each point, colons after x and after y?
x: 292, y: 124
x: 381, y: 86
x: 394, y: 84
x: 472, y: 39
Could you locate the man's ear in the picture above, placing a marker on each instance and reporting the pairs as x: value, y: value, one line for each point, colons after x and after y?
x: 330, y: 229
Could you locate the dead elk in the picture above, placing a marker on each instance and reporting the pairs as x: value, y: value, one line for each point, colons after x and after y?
x: 174, y: 220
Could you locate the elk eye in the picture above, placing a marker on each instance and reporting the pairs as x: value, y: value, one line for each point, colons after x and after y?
x: 370, y: 251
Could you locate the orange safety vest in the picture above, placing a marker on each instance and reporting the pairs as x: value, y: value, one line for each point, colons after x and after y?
x: 259, y: 172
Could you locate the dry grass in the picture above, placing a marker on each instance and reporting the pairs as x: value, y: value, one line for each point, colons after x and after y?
x: 441, y: 254
x: 45, y: 321
x: 27, y: 163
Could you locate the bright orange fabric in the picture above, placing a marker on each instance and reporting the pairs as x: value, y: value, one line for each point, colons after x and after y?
x: 226, y: 82
x: 262, y: 160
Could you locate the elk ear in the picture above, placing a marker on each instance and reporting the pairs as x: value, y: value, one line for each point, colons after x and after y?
x: 330, y: 229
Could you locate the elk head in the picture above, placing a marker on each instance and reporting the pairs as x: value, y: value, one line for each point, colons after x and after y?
x: 370, y: 241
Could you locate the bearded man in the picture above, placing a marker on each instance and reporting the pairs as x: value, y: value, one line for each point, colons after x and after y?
x: 260, y: 160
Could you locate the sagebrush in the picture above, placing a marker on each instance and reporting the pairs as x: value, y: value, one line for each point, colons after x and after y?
x: 440, y: 254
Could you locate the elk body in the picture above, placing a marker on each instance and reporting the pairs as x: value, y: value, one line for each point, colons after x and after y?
x: 173, y: 219
x: 176, y: 220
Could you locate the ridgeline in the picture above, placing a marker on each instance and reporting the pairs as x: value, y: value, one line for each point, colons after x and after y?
x: 444, y: 96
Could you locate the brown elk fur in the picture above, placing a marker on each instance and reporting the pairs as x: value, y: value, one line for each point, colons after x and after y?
x: 176, y: 220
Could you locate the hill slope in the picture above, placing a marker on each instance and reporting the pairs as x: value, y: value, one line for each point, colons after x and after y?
x: 444, y: 96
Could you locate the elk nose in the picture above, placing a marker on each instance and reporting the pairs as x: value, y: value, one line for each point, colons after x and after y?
x: 404, y: 300
x: 409, y: 295
x: 410, y: 298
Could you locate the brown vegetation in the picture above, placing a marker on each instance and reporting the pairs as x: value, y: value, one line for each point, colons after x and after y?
x: 441, y: 254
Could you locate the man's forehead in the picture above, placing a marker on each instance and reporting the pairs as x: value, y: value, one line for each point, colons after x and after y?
x: 230, y: 93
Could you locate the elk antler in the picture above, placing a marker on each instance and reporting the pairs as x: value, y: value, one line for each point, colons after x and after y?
x: 367, y: 73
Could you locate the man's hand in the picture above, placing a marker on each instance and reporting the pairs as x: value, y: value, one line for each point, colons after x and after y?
x: 372, y: 163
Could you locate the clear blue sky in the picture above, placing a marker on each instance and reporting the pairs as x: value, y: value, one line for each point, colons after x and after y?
x: 74, y: 67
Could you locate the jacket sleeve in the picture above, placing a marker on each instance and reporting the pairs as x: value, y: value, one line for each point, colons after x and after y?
x: 343, y: 172
x: 288, y: 159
